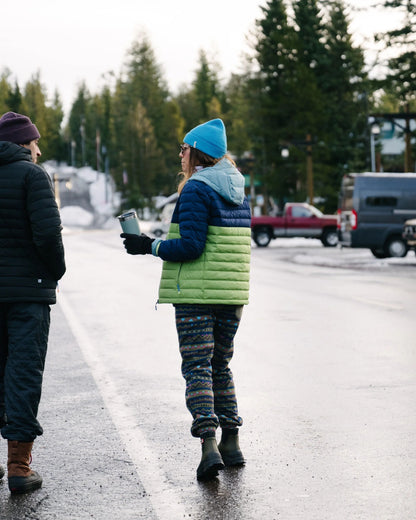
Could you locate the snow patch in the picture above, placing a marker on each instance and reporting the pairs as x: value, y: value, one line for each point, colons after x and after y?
x: 75, y: 216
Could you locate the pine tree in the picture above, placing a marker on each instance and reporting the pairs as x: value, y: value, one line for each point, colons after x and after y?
x: 15, y: 99
x: 206, y: 87
x: 237, y: 116
x: 309, y: 120
x: 54, y: 137
x: 309, y: 89
x: 345, y: 86
x: 100, y: 113
x: 204, y: 99
x: 47, y: 117
x: 145, y: 135
x: 5, y: 91
x: 81, y: 137
x: 401, y: 74
x: 271, y: 93
x: 400, y: 78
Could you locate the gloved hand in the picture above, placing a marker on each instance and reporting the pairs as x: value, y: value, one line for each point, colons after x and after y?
x: 137, y: 244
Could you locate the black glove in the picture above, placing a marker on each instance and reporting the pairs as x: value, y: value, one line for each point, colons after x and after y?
x: 137, y: 244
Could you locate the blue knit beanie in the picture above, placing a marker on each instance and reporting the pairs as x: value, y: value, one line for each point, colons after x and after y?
x: 210, y: 138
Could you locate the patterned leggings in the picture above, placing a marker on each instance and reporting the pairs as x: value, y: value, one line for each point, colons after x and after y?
x: 206, y: 342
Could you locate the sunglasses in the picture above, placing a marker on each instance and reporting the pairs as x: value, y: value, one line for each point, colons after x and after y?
x: 184, y: 147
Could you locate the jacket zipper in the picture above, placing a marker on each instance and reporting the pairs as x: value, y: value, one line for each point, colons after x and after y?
x: 178, y: 287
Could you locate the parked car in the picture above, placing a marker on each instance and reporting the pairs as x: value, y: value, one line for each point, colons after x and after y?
x: 409, y: 233
x: 297, y: 220
x: 161, y: 227
x: 372, y: 210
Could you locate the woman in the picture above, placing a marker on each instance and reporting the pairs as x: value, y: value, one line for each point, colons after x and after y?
x: 205, y: 276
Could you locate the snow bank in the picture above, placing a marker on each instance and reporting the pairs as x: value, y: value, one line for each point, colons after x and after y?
x: 98, y: 194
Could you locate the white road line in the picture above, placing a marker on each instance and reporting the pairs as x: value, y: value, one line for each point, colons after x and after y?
x: 377, y: 303
x: 165, y: 501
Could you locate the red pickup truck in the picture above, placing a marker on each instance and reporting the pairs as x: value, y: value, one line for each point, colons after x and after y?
x: 297, y: 220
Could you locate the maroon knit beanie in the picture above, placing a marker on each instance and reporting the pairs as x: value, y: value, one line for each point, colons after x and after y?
x: 17, y: 128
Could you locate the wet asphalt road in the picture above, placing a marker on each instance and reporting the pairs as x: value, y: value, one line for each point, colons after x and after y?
x: 325, y: 374
x: 87, y: 472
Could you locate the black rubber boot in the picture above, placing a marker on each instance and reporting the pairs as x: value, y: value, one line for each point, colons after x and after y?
x: 20, y: 485
x: 229, y: 448
x: 211, y: 461
x: 1, y: 472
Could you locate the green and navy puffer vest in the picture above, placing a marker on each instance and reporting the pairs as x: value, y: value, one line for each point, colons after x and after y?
x: 207, y: 250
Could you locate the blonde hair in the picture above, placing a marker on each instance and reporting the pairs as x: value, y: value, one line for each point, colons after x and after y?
x: 198, y: 158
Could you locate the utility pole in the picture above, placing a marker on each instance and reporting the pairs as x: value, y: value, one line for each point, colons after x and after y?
x: 252, y: 191
x: 309, y: 168
x: 106, y: 171
x: 408, y: 148
x: 97, y: 149
x: 303, y: 145
x: 56, y: 189
x: 82, y: 132
x: 73, y: 147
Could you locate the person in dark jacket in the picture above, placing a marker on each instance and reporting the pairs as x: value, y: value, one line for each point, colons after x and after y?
x: 31, y: 263
x: 205, y: 275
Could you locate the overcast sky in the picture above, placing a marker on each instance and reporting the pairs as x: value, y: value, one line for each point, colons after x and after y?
x: 76, y: 40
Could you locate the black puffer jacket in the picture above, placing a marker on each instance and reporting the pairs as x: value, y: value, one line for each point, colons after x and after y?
x: 31, y: 249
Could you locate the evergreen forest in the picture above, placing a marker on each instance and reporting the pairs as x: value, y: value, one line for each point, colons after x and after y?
x: 300, y: 108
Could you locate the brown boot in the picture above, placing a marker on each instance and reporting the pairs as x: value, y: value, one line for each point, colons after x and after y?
x: 21, y: 478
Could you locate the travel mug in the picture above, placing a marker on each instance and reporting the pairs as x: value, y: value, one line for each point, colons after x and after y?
x: 129, y: 222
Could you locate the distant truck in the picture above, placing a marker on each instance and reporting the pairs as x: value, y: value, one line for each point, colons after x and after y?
x: 297, y: 220
x: 372, y: 210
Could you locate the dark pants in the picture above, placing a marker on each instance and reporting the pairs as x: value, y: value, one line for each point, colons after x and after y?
x: 24, y: 331
x: 206, y: 342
